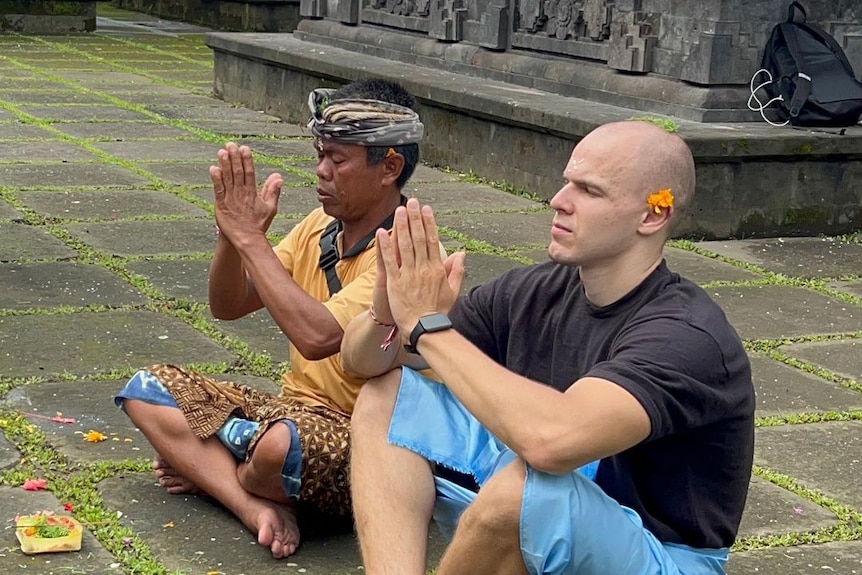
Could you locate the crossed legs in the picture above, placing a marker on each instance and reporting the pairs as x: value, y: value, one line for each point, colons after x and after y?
x: 251, y: 490
x: 393, y: 500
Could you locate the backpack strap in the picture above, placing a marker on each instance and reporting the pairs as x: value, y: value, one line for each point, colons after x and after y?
x: 791, y: 11
x: 329, y: 249
x: 802, y: 80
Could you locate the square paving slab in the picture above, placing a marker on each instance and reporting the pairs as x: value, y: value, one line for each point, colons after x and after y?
x: 84, y: 343
x: 249, y: 129
x: 197, y: 174
x: 843, y: 558
x: 9, y: 454
x: 47, y: 285
x: 145, y: 238
x: 771, y: 510
x: 701, y: 269
x: 502, y: 230
x: 155, y: 151
x: 783, y: 390
x: 78, y: 113
x: 49, y: 97
x: 462, y: 196
x: 801, y: 257
x: 72, y: 175
x: 824, y: 456
x: 842, y: 357
x: 93, y: 559
x: 91, y: 405
x: 41, y: 151
x: 120, y: 131
x: 227, y: 114
x: 181, y: 279
x: 851, y: 287
x: 205, y: 537
x: 7, y: 212
x: 260, y: 332
x: 23, y: 242
x: 300, y: 148
x: 17, y: 132
x: 296, y: 201
x: 109, y: 204
x: 480, y: 268
x: 779, y: 311
x: 181, y: 98
x: 103, y: 78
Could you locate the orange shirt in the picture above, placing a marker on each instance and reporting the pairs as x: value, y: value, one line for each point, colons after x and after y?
x: 324, y: 382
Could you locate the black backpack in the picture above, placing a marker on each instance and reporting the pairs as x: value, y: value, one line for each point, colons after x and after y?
x: 808, y: 76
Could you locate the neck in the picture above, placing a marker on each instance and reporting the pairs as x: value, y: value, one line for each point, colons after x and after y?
x: 607, y: 283
x: 355, y: 230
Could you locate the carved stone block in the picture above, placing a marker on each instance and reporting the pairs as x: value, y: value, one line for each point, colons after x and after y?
x: 312, y: 8
x: 447, y: 20
x: 632, y: 43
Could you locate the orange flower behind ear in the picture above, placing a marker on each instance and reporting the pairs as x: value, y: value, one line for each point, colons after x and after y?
x: 661, y: 199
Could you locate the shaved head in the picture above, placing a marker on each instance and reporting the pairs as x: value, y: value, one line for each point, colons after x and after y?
x: 645, y: 159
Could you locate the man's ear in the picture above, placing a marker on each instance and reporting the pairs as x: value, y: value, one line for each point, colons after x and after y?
x: 393, y: 165
x: 655, y: 222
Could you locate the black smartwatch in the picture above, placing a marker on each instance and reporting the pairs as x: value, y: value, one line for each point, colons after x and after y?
x: 427, y: 324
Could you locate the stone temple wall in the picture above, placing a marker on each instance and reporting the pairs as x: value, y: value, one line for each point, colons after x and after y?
x: 689, y: 59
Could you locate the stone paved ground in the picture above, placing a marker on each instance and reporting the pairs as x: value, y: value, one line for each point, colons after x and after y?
x: 105, y: 232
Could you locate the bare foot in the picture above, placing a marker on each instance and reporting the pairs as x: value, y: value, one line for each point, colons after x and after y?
x: 276, y: 527
x: 173, y: 482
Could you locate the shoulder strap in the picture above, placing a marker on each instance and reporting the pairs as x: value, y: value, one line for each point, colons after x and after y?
x: 802, y: 81
x: 329, y: 248
x: 329, y: 255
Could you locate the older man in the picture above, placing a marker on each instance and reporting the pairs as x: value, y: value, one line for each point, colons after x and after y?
x: 596, y: 412
x: 260, y: 454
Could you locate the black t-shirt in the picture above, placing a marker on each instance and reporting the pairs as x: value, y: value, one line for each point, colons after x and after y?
x: 670, y: 346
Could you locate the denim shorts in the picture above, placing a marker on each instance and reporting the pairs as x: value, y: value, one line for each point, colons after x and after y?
x: 235, y: 434
x: 568, y: 524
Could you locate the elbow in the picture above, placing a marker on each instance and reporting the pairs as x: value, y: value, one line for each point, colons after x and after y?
x: 318, y: 348
x: 551, y: 455
x: 223, y: 313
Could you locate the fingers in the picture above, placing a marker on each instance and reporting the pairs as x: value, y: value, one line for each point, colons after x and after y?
x: 272, y: 189
x: 417, y: 231
x: 247, y: 166
x: 402, y: 238
x: 223, y: 158
x: 236, y: 167
x: 432, y: 238
x: 386, y: 254
x: 454, y: 266
x: 218, y: 183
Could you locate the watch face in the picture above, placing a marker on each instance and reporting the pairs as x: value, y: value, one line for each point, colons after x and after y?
x: 435, y: 322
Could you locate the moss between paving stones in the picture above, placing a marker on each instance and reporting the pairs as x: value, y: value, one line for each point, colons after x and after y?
x: 77, y: 482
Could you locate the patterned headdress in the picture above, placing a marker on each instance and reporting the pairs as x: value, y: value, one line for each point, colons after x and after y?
x: 362, y: 122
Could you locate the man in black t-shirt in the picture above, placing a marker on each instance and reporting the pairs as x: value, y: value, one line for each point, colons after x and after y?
x: 596, y: 412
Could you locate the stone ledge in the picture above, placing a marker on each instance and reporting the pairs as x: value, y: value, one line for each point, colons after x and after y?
x: 752, y: 181
x: 237, y: 15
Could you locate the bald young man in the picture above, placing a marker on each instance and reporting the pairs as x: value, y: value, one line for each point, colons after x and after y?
x: 594, y: 415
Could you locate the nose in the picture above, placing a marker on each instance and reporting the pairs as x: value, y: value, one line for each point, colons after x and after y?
x: 558, y: 202
x: 323, y: 170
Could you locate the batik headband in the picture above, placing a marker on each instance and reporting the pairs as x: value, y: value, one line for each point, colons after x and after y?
x: 362, y: 122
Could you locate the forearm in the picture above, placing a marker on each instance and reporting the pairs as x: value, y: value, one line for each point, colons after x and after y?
x: 361, y: 352
x: 306, y: 322
x: 552, y: 431
x: 231, y: 294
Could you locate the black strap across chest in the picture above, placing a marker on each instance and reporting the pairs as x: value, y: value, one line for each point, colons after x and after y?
x: 329, y: 255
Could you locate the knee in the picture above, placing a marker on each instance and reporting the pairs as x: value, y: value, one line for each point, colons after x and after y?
x: 272, y: 447
x: 497, y: 507
x: 376, y: 400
